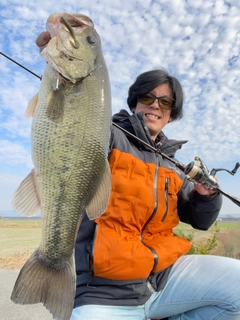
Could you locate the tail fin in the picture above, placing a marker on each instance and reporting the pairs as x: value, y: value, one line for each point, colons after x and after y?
x: 51, y: 285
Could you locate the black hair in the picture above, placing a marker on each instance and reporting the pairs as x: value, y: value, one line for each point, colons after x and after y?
x: 149, y: 80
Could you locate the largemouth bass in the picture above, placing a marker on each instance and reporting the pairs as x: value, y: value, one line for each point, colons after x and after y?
x: 70, y: 138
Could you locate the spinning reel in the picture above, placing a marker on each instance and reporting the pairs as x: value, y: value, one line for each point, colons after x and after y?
x: 199, y: 174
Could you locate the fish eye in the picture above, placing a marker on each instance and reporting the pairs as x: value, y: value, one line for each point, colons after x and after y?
x: 91, y: 40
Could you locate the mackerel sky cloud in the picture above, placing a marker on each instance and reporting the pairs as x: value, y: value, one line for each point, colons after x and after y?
x: 197, y: 41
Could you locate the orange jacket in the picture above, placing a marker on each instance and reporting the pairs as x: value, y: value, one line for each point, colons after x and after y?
x: 134, y: 236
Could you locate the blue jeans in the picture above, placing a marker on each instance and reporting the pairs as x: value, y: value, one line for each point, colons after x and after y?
x: 199, y: 287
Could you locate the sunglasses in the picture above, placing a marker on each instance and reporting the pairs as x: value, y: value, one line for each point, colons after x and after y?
x: 164, y: 102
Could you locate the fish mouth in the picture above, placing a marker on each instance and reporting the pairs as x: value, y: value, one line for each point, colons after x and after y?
x: 57, y: 50
x: 69, y: 21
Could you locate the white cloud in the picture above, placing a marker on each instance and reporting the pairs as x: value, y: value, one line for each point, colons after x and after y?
x: 13, y: 153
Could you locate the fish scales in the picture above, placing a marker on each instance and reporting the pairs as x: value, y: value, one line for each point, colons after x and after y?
x: 73, y: 172
x: 70, y: 137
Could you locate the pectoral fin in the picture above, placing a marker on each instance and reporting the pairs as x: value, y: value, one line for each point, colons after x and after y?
x: 25, y: 200
x: 99, y: 202
x: 31, y: 107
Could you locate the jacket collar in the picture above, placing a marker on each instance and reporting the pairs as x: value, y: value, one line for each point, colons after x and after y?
x: 136, y: 125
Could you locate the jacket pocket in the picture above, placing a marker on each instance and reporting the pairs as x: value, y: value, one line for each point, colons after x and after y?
x: 166, y: 192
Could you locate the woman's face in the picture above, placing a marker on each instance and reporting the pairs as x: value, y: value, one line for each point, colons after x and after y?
x: 155, y: 117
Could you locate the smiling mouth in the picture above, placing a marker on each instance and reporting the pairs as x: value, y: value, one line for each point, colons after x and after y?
x: 152, y: 116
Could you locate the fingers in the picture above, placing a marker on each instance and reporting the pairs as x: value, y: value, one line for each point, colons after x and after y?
x: 43, y: 39
x: 204, y: 190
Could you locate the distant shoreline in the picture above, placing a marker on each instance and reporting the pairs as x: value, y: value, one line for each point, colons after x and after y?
x: 39, y: 218
x: 21, y: 218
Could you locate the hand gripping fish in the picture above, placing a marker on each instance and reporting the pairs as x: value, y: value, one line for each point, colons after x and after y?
x: 70, y: 138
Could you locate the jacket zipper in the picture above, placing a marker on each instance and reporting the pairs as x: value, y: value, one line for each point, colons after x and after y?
x: 150, y: 287
x: 93, y: 246
x: 155, y: 256
x: 92, y: 262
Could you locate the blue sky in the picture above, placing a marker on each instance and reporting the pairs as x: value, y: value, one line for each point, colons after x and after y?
x: 197, y: 41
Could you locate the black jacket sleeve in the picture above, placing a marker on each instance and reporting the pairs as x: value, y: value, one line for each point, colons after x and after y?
x: 197, y: 210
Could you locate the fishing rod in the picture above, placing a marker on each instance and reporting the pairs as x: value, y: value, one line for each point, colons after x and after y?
x: 21, y: 65
x: 197, y: 173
